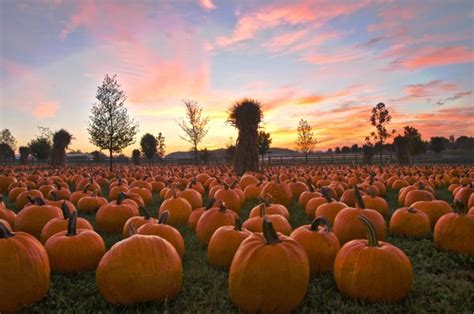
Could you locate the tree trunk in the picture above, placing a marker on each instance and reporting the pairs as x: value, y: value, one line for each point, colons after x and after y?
x: 381, y: 151
x: 306, y: 158
x: 110, y: 159
x: 195, y: 155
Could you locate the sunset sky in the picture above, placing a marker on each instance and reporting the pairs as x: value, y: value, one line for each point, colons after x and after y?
x: 326, y: 61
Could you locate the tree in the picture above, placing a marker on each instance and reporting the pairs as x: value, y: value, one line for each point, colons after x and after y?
x: 345, y: 150
x: 195, y: 126
x: 246, y: 115
x: 6, y: 137
x: 263, y: 142
x: 160, y: 142
x: 61, y: 141
x: 464, y: 143
x: 368, y: 153
x: 136, y: 157
x: 205, y: 155
x: 109, y: 125
x: 337, y: 150
x: 452, y: 142
x: 305, y: 142
x: 354, y: 148
x: 40, y: 147
x: 402, y: 145
x: 148, y: 144
x: 437, y: 144
x: 329, y: 151
x: 6, y: 152
x: 380, y: 118
x: 98, y: 156
x: 24, y: 153
x: 416, y: 144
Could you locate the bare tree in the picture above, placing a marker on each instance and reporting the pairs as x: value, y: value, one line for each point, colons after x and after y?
x: 194, y: 126
x: 109, y: 125
x: 379, y: 119
x: 305, y: 142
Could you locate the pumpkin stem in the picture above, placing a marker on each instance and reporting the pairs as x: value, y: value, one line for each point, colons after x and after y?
x: 210, y: 203
x: 278, y: 179
x: 262, y: 209
x: 132, y: 229
x: 65, y: 210
x: 39, y: 201
x: 358, y: 198
x: 54, y: 195
x: 71, y: 225
x: 412, y: 210
x: 369, y: 226
x: 222, y: 207
x: 461, y: 208
x: 371, y: 191
x: 164, y: 217
x: 32, y: 201
x: 86, y: 188
x: 120, y: 198
x: 310, y: 185
x: 4, y: 232
x: 238, y: 224
x: 326, y: 195
x: 421, y: 186
x: 144, y: 212
x: 271, y: 237
x: 318, y: 221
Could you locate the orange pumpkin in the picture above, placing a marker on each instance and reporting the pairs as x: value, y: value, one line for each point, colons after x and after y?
x: 112, y: 217
x: 279, y: 192
x: 434, y: 209
x: 137, y: 221
x: 178, y: 207
x: 33, y: 218
x: 410, y: 222
x: 7, y: 214
x: 279, y: 222
x: 211, y: 220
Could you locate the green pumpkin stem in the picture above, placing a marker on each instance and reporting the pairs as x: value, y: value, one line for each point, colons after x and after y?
x: 210, y: 203
x: 371, y: 234
x: 71, y: 225
x: 86, y: 188
x: 4, y: 232
x: 39, y: 201
x: 318, y: 221
x: 271, y: 237
x: 412, y: 210
x: 65, y: 210
x: 358, y: 198
x: 326, y: 195
x: 461, y: 208
x: 262, y: 209
x: 164, y: 217
x: 222, y: 207
x: 238, y: 224
x: 144, y: 212
x: 54, y: 195
x: 121, y: 197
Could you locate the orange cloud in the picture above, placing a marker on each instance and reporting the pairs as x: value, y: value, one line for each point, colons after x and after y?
x: 430, y: 89
x: 430, y: 56
x: 46, y: 110
x: 207, y: 4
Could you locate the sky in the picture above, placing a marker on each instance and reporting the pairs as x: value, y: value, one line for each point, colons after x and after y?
x: 326, y: 61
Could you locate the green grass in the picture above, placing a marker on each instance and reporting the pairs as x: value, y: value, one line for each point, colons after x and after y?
x: 443, y: 282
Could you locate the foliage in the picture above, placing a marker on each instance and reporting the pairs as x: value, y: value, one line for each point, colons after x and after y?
x: 345, y: 149
x: 24, y: 153
x: 6, y: 152
x: 205, y: 155
x: 40, y: 146
x: 337, y: 150
x: 148, y: 145
x: 6, y: 137
x: 464, y: 143
x: 61, y: 141
x: 98, y: 156
x: 402, y: 145
x: 109, y: 125
x: 195, y: 126
x: 136, y: 156
x: 305, y: 142
x: 416, y: 144
x: 264, y: 141
x: 437, y: 144
x: 380, y: 118
x: 230, y: 152
x: 355, y: 148
x: 246, y: 115
x: 160, y: 141
x: 368, y: 151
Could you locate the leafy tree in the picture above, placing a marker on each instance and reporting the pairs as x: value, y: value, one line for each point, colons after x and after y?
x: 337, y: 150
x: 160, y: 142
x: 345, y: 150
x: 416, y: 145
x: 6, y: 137
x: 40, y: 147
x: 305, y: 142
x: 195, y: 126
x: 380, y: 118
x: 368, y: 153
x: 452, y: 142
x: 354, y: 148
x: 98, y: 156
x: 6, y: 152
x: 246, y: 115
x: 24, y: 153
x: 148, y: 144
x: 402, y: 145
x: 329, y: 151
x: 437, y: 144
x: 205, y: 155
x: 465, y: 143
x: 264, y: 141
x: 109, y: 125
x: 61, y: 141
x: 136, y: 157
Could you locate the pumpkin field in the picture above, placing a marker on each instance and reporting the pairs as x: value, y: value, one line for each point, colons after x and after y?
x: 165, y: 251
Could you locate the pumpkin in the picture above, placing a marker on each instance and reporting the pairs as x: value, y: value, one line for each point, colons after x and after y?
x: 5, y: 181
x: 319, y: 242
x: 167, y: 232
x: 24, y: 271
x: 56, y: 225
x: 279, y: 192
x: 463, y: 194
x: 418, y: 195
x: 197, y: 213
x: 347, y: 227
x: 74, y: 250
x: 330, y: 209
x: 372, y: 270
x: 137, y: 221
x: 410, y: 222
x: 24, y: 197
x: 7, y: 214
x: 229, y: 197
x: 434, y: 209
x: 211, y: 220
x: 269, y: 273
x: 178, y: 207
x: 307, y: 195
x: 297, y: 188
x: 112, y: 217
x: 279, y: 222
x: 192, y: 196
x: 313, y: 204
x: 90, y: 203
x: 455, y: 232
x: 270, y: 209
x: 252, y: 191
x: 77, y: 195
x: 33, y: 218
x: 224, y: 243
x: 375, y: 202
x: 140, y: 268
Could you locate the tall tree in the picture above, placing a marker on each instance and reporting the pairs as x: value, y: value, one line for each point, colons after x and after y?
x: 61, y: 141
x: 160, y: 142
x: 354, y: 148
x: 264, y: 141
x: 416, y: 145
x: 194, y: 126
x: 40, y: 147
x: 437, y: 144
x: 24, y: 153
x: 136, y: 157
x: 380, y: 118
x: 6, y: 152
x: 368, y: 153
x: 109, y: 125
x: 305, y: 141
x: 148, y: 144
x: 246, y: 115
x: 345, y: 149
x: 205, y: 155
x: 6, y: 137
x: 402, y: 146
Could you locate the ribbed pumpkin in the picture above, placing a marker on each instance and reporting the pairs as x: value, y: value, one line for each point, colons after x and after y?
x: 455, y: 232
x: 33, y: 218
x: 229, y: 197
x: 252, y: 191
x: 197, y: 213
x: 279, y: 191
x: 372, y: 270
x: 24, y: 271
x: 137, y: 221
x: 269, y: 273
x: 297, y: 188
x: 270, y: 209
x: 7, y: 214
x: 25, y: 196
x: 410, y: 222
x: 330, y: 209
x: 141, y: 268
x: 224, y: 243
x: 167, y: 232
x: 418, y: 195
x: 463, y: 194
x: 178, y: 207
x: 434, y: 209
x: 90, y: 203
x: 280, y: 223
x: 192, y: 196
x: 307, y: 195
x: 74, y: 250
x: 347, y: 227
x: 211, y: 220
x: 112, y: 217
x: 375, y: 202
x: 319, y: 242
x: 313, y: 204
x: 56, y: 225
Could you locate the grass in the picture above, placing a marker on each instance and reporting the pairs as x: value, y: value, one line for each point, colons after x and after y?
x: 443, y: 282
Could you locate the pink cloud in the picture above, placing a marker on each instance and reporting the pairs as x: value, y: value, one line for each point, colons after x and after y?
x: 46, y: 110
x: 322, y: 59
x: 431, y: 56
x: 430, y: 89
x: 207, y: 4
x: 283, y: 41
x: 85, y: 15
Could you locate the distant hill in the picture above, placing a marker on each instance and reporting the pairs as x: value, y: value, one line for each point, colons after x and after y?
x: 220, y: 153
